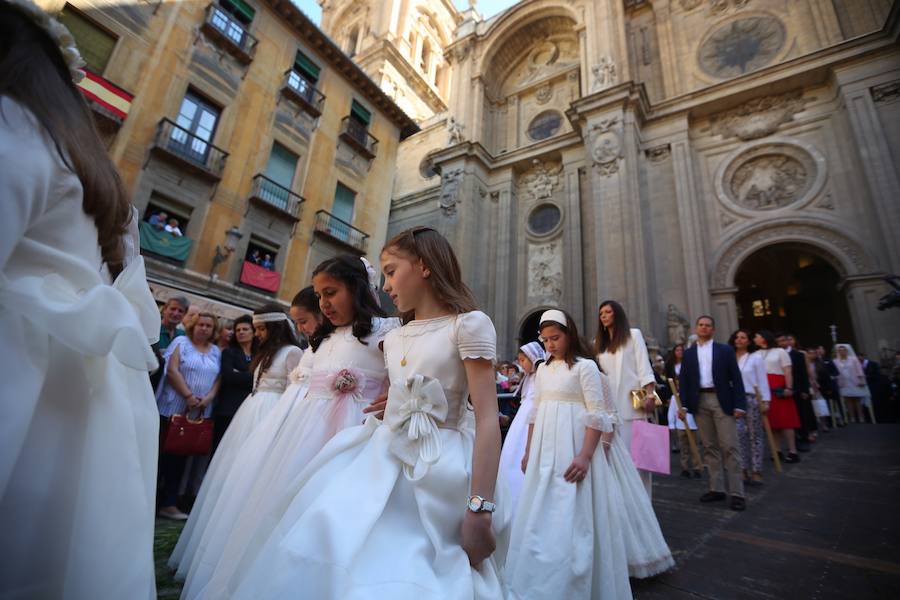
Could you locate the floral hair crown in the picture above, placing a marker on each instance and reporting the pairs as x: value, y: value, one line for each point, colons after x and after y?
x: 58, y: 33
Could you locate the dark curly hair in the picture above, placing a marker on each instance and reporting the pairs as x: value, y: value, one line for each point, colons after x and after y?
x: 350, y: 271
x: 278, y: 335
x: 243, y: 320
x: 751, y: 347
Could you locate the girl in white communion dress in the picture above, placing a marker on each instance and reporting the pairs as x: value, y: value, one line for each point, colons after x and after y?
x: 584, y: 522
x: 382, y: 511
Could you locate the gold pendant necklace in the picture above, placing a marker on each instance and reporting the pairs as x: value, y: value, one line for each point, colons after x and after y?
x: 405, y: 352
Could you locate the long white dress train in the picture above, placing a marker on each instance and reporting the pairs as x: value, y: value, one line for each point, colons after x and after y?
x: 206, y: 514
x: 378, y: 513
x: 78, y: 422
x: 514, y: 445
x: 285, y: 445
x: 583, y: 540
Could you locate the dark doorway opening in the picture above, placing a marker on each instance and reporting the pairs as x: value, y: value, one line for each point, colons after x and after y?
x: 529, y: 330
x: 791, y: 288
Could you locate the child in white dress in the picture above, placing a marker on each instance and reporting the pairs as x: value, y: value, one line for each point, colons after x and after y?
x: 278, y: 355
x: 531, y: 355
x: 382, y: 511
x: 584, y: 522
x: 346, y: 373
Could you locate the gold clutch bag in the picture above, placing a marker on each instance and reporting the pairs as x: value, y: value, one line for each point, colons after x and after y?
x: 638, y: 397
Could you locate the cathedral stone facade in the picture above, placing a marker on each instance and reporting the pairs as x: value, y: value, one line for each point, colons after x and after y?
x: 731, y: 157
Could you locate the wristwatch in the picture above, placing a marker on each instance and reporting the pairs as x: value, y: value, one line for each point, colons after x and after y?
x: 478, y: 504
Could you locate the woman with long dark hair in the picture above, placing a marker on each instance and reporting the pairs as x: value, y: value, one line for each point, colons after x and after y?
x: 236, y: 377
x: 622, y: 354
x: 750, y: 428
x: 80, y: 428
x: 276, y: 356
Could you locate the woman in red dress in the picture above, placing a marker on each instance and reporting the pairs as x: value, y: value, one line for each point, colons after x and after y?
x: 783, y: 416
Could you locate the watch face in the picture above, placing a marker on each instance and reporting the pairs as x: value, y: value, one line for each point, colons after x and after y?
x: 475, y: 503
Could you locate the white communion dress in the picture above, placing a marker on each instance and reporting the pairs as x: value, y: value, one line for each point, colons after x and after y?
x: 79, y: 427
x: 378, y: 513
x: 514, y: 445
x: 580, y: 540
x: 206, y: 514
x: 293, y: 440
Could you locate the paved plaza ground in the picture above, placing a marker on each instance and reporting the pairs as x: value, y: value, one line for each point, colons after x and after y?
x: 828, y: 527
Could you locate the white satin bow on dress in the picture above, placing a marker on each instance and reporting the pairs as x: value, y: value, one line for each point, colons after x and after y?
x: 414, y: 408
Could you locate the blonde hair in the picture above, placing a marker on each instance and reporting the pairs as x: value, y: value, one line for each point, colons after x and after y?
x: 189, y: 328
x: 435, y: 252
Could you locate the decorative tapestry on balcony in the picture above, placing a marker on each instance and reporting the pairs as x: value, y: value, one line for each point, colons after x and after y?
x: 164, y: 243
x: 260, y: 277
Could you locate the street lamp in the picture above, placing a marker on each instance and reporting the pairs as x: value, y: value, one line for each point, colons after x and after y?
x: 232, y: 236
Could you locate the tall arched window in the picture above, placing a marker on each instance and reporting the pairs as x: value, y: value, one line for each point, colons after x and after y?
x: 425, y: 61
x: 352, y: 40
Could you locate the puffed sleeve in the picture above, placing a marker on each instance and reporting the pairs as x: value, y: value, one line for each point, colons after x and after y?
x: 601, y: 412
x: 293, y: 358
x: 536, y: 395
x: 641, y: 359
x: 784, y: 359
x: 382, y: 327
x: 476, y: 337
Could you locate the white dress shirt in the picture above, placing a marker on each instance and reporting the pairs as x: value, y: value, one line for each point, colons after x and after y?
x: 704, y: 357
x: 753, y: 371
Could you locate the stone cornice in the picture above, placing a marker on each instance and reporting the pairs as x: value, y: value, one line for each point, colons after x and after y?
x: 412, y: 77
x: 328, y: 50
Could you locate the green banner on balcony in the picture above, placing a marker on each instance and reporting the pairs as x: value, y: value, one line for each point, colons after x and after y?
x: 164, y: 243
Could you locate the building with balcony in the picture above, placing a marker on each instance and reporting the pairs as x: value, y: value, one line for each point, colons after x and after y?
x: 240, y: 116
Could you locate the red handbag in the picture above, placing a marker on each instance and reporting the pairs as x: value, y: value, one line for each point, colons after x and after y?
x: 187, y: 437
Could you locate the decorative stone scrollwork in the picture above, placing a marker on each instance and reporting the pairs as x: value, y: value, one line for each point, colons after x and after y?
x: 544, y: 93
x: 606, y: 145
x: 658, y: 153
x: 886, y: 93
x: 769, y: 176
x: 604, y: 74
x: 545, y: 273
x: 849, y: 255
x: 677, y: 325
x: 540, y: 181
x: 758, y: 117
x: 741, y: 46
x: 690, y: 4
x: 450, y: 184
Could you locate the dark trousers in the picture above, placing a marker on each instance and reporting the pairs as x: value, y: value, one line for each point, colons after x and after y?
x: 171, y: 470
x: 220, y: 426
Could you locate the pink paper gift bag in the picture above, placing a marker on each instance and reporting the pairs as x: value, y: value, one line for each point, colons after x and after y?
x: 650, y: 447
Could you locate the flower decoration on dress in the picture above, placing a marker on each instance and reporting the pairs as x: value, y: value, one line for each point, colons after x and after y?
x: 346, y: 384
x: 60, y: 35
x: 415, y: 407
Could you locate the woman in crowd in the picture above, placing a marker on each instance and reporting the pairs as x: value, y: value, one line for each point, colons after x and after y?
x: 622, y: 355
x: 690, y: 463
x: 226, y: 335
x: 852, y: 382
x: 277, y: 356
x: 79, y: 428
x: 783, y: 416
x: 236, y: 379
x: 756, y: 386
x: 190, y: 384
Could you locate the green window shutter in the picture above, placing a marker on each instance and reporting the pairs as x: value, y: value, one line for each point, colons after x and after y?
x: 344, y: 199
x: 282, y: 165
x: 360, y: 112
x: 240, y: 8
x: 94, y: 43
x: 306, y: 67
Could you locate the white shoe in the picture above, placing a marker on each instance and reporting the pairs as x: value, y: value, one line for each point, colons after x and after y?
x: 171, y: 512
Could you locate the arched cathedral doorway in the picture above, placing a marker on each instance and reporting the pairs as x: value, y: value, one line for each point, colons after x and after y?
x: 792, y: 288
x: 528, y: 332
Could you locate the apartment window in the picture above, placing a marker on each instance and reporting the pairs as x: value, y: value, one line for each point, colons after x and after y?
x: 95, y: 43
x: 279, y: 176
x: 232, y: 17
x: 197, y: 120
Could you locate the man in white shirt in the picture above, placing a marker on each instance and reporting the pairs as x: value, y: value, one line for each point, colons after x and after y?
x: 712, y: 388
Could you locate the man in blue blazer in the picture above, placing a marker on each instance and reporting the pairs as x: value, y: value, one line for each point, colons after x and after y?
x: 712, y: 389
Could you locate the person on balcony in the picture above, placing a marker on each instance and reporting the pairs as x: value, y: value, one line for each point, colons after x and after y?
x: 173, y: 228
x: 268, y: 263
x: 158, y: 221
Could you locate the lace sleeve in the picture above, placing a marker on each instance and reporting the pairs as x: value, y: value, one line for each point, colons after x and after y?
x: 601, y: 413
x: 476, y: 337
x: 292, y: 358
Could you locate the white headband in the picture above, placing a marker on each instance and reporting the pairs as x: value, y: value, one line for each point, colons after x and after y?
x: 60, y: 35
x: 271, y: 317
x: 554, y: 316
x: 373, y: 279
